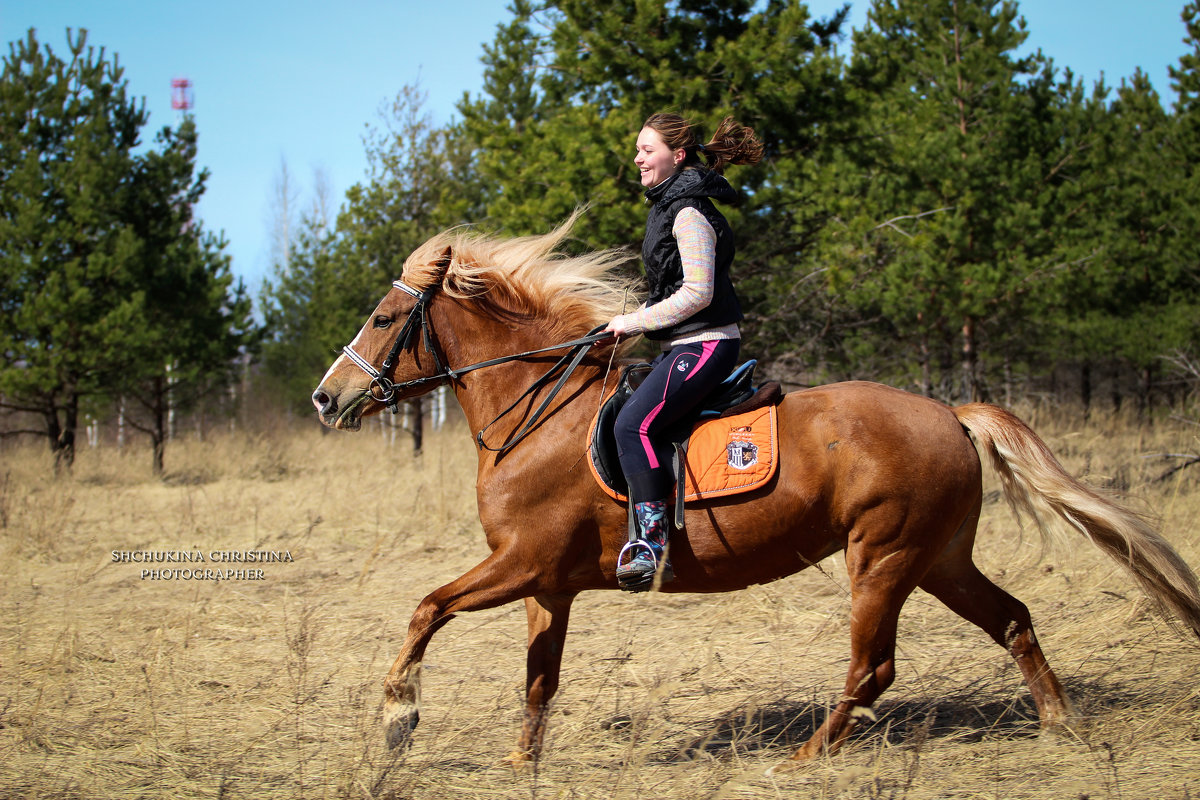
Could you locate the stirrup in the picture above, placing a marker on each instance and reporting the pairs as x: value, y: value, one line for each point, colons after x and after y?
x: 641, y: 581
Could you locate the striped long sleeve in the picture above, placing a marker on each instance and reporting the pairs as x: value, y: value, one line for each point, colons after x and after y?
x: 697, y: 250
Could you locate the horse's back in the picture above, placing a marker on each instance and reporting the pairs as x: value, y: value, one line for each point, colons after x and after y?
x: 866, y: 409
x: 870, y: 444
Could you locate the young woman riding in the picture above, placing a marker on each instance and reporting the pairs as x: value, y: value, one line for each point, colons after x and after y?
x: 692, y: 310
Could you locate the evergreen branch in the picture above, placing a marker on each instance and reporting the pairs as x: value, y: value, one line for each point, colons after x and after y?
x: 1070, y: 156
x: 137, y: 426
x: 1185, y: 363
x: 1190, y: 460
x: 21, y: 432
x: 11, y: 406
x: 891, y: 223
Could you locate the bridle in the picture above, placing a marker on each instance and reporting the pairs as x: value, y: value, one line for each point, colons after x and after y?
x: 384, y: 390
x: 381, y: 387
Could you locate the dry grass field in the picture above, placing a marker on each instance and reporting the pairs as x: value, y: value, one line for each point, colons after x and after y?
x: 117, y: 686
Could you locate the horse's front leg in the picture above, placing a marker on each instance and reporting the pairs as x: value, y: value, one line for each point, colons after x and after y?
x: 548, y: 616
x: 501, y: 578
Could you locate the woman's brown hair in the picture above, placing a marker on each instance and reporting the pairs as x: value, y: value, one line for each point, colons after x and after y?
x: 733, y: 143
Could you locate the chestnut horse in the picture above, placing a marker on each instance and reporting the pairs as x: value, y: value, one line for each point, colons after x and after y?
x: 890, y: 478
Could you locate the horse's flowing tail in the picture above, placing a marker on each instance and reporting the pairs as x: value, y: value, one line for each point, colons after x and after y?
x: 1035, y: 483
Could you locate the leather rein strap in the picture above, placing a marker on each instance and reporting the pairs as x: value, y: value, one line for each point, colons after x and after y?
x: 385, y: 391
x: 565, y: 365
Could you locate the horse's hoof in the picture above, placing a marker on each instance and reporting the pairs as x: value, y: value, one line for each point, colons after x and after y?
x: 1060, y: 723
x: 1062, y: 731
x: 518, y: 760
x: 399, y: 720
x: 785, y: 767
x: 801, y: 759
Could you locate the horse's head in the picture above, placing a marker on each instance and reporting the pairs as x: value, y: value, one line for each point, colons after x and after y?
x: 517, y: 290
x: 392, y: 358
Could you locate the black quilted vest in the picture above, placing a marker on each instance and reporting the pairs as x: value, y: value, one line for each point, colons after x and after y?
x: 695, y: 188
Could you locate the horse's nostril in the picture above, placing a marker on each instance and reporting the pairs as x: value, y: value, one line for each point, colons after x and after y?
x: 322, y: 401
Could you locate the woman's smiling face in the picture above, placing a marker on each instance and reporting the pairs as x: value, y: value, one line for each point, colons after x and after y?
x: 655, y: 161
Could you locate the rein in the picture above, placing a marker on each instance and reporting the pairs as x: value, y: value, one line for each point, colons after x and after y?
x: 384, y: 390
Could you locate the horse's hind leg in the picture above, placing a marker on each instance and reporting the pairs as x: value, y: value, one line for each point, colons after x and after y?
x: 873, y: 619
x: 956, y: 581
x: 548, y: 616
x: 878, y: 588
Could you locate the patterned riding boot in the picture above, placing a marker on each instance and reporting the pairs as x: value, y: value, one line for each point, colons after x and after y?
x: 640, y: 560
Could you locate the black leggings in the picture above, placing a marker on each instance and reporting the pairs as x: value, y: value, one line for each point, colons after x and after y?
x: 678, y: 382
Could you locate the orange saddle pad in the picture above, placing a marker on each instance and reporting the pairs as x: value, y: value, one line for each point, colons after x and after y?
x: 725, y: 456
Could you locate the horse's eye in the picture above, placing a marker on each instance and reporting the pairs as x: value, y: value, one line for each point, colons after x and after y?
x: 383, y: 322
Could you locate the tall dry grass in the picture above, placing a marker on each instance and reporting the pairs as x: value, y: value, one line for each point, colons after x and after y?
x: 115, y: 686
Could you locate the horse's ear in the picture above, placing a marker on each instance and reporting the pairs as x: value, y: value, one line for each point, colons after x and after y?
x: 443, y: 261
x: 440, y: 266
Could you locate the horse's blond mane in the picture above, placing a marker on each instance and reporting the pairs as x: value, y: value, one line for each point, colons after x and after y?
x: 525, y: 276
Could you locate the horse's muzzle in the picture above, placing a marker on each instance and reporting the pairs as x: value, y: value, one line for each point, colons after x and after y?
x: 326, y: 405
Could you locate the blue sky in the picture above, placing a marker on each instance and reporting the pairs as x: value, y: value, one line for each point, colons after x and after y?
x: 299, y: 81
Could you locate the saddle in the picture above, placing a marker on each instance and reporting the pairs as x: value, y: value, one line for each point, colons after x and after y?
x: 735, y: 397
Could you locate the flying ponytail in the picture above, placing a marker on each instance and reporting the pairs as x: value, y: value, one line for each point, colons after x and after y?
x: 733, y: 143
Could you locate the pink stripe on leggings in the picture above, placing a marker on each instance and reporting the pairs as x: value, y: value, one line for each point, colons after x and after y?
x: 706, y: 351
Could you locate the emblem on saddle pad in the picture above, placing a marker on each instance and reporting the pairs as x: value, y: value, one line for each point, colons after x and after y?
x: 741, y: 452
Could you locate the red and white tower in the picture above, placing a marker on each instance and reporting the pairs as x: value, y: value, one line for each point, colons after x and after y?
x: 182, y: 99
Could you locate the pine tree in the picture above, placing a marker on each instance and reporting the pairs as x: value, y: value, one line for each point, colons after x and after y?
x: 96, y: 243
x: 949, y: 228
x: 541, y: 147
x: 196, y: 326
x: 1133, y: 302
x: 1122, y: 302
x: 1185, y: 146
x: 68, y: 134
x: 1184, y: 155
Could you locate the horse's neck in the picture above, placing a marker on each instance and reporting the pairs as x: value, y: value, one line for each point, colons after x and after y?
x: 486, y: 394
